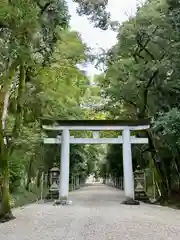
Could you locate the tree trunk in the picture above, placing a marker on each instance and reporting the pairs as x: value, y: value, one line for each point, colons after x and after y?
x: 19, y: 108
x: 5, y: 208
x: 39, y: 179
x: 29, y: 174
x: 160, y: 170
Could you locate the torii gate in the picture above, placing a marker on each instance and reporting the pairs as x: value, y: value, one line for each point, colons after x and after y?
x: 65, y: 139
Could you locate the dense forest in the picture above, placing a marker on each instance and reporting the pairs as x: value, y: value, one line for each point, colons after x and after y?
x: 141, y: 80
x: 40, y: 78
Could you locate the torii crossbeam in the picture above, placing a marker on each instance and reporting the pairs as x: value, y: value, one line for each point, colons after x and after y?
x: 63, y: 137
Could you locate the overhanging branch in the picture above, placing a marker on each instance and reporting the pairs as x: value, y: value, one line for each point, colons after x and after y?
x: 142, y: 47
x: 43, y: 8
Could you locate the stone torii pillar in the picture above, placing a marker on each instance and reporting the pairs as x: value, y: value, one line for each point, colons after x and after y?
x: 64, y: 165
x: 127, y: 165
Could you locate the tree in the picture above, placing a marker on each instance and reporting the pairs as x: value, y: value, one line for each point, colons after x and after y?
x: 21, y: 23
x: 142, y: 76
x: 95, y: 11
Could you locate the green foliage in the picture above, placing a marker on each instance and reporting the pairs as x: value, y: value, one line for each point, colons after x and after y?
x: 95, y: 11
x: 39, y: 77
x: 22, y: 197
x: 142, y: 81
x: 115, y: 167
x: 168, y: 126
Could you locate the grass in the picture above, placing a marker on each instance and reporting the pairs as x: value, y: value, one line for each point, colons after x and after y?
x: 22, y: 196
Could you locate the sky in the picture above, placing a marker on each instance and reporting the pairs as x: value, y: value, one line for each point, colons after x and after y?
x: 94, y: 37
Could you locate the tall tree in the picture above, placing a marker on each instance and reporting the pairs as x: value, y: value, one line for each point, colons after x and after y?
x: 23, y: 33
x: 142, y: 75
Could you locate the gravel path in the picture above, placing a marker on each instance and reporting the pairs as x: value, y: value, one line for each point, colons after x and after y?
x: 96, y: 213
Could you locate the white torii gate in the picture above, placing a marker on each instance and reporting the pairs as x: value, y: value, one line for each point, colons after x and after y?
x: 64, y: 126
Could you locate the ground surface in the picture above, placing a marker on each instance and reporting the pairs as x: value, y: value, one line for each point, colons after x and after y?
x: 96, y: 213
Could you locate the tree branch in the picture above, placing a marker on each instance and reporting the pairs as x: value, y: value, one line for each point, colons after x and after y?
x: 18, y: 117
x: 145, y: 49
x: 43, y: 8
x: 145, y: 95
x: 142, y: 47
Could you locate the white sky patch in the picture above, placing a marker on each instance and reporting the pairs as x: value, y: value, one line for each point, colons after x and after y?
x: 94, y: 37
